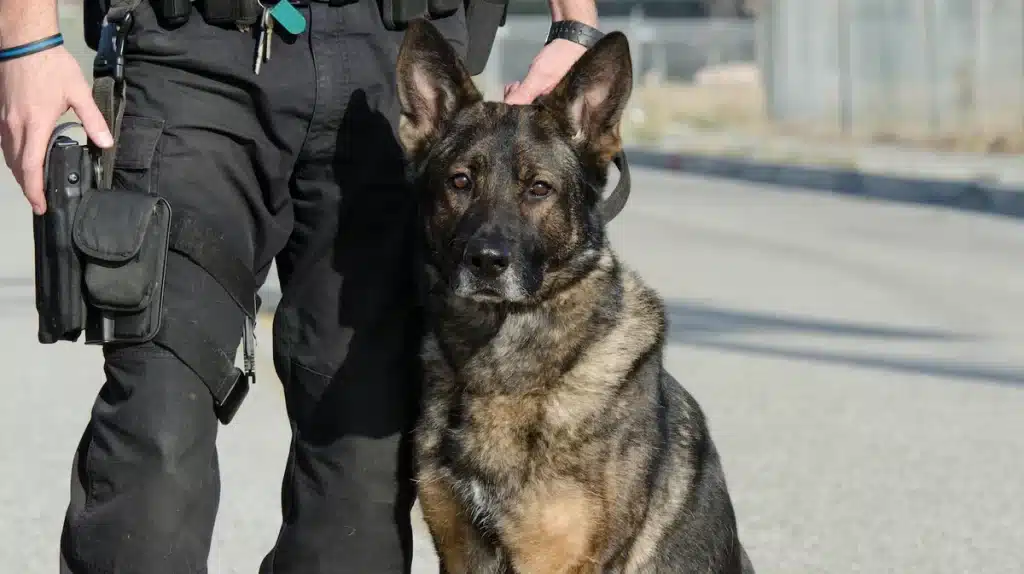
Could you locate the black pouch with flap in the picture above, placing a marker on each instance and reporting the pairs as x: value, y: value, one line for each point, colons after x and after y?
x: 123, y: 239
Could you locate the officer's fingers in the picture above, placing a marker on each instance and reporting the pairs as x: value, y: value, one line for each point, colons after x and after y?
x: 95, y: 126
x: 509, y: 88
x: 13, y: 131
x: 36, y: 136
x: 7, y: 144
x: 540, y: 80
x: 525, y: 92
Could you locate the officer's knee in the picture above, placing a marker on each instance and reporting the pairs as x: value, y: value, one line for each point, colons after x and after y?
x: 148, y: 468
x: 166, y: 490
x: 154, y: 429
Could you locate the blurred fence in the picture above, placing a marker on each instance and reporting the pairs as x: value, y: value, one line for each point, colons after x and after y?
x: 666, y: 49
x: 914, y: 69
x: 671, y: 58
x: 945, y: 73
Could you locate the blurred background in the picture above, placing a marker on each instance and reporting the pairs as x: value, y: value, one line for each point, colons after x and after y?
x: 940, y: 74
x: 860, y: 361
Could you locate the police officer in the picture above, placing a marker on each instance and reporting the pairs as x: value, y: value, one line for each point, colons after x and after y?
x: 293, y: 158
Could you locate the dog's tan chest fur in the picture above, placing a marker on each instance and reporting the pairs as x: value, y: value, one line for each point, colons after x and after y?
x: 517, y: 430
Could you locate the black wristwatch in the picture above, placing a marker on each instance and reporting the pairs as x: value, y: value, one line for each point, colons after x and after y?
x: 574, y: 31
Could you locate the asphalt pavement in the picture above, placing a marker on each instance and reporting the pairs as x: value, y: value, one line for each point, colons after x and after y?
x: 860, y: 362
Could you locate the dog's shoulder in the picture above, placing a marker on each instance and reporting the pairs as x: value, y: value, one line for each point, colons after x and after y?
x: 636, y: 333
x: 643, y: 303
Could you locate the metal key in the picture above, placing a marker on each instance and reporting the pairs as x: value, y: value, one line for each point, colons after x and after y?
x: 261, y: 43
x: 268, y: 24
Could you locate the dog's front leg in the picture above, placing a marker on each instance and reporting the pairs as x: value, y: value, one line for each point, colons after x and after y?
x: 553, y: 530
x: 459, y: 546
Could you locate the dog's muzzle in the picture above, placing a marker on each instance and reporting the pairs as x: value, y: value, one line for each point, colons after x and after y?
x: 489, y: 270
x: 487, y: 257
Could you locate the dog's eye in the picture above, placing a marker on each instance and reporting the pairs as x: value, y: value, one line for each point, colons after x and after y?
x: 540, y: 189
x: 460, y: 181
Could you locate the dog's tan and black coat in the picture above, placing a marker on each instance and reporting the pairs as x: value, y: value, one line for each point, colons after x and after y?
x: 552, y: 440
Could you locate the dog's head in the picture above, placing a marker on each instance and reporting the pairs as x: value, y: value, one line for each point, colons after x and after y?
x: 510, y: 193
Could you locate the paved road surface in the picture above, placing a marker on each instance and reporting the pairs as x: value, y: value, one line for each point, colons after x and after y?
x: 861, y: 365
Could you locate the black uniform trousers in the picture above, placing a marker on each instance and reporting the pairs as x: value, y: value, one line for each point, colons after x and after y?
x: 300, y: 164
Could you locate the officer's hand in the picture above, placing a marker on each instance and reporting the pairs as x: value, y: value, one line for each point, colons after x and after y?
x: 34, y: 91
x: 547, y: 69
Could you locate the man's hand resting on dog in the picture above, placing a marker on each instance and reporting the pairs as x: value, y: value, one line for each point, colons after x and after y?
x: 35, y: 90
x: 555, y: 59
x: 547, y: 69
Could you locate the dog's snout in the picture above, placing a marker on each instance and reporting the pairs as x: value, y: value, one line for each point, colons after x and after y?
x: 488, y: 257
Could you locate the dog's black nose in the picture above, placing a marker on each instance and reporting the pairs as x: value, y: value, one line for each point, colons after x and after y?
x: 487, y: 258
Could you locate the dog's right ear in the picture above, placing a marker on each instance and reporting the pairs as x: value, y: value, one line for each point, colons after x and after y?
x: 433, y: 84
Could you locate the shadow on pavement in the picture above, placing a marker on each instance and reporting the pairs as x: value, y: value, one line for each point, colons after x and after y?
x: 706, y: 326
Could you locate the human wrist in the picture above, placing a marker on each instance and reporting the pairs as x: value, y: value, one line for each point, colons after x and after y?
x: 574, y: 33
x: 19, y: 39
x: 584, y: 11
x: 30, y: 48
x: 26, y: 21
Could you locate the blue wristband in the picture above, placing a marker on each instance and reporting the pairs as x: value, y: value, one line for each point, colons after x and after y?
x: 31, y: 48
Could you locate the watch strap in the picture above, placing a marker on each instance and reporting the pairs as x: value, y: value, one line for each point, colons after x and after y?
x: 574, y: 31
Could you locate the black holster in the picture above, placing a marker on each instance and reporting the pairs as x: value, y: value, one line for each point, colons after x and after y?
x: 100, y: 255
x: 59, y: 300
x: 101, y: 259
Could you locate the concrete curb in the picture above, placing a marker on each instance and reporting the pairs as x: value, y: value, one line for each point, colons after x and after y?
x: 969, y: 195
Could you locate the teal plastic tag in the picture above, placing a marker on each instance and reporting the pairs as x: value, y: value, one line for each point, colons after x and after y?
x: 288, y: 17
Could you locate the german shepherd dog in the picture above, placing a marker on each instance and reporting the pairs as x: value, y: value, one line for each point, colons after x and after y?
x: 551, y: 438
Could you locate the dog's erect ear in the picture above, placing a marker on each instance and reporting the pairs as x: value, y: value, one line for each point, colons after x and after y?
x: 594, y: 93
x: 433, y: 84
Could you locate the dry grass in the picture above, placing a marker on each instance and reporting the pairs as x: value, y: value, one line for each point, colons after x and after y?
x: 659, y: 108
x: 700, y: 106
x: 989, y: 143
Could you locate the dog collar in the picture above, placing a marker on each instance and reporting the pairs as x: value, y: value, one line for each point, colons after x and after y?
x: 612, y: 204
x: 574, y: 31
